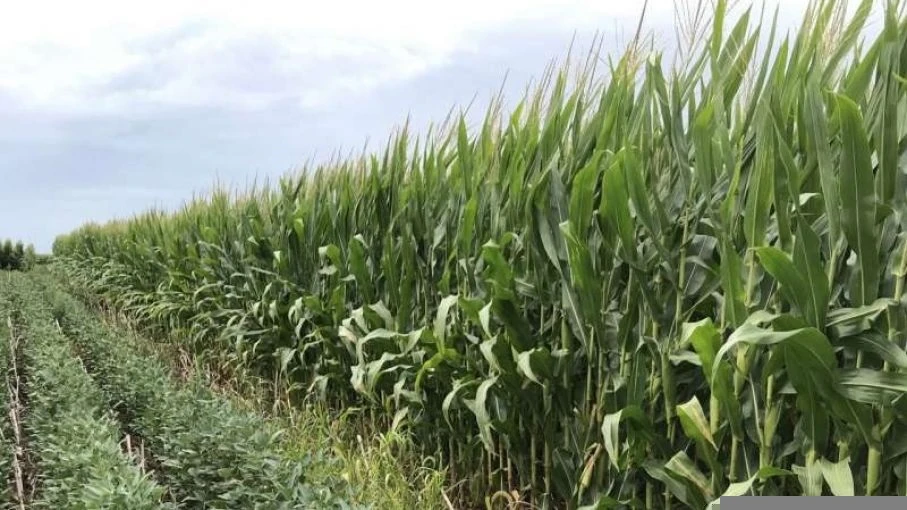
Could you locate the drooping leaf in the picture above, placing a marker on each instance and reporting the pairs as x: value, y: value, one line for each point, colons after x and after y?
x: 838, y: 476
x: 741, y: 488
x: 878, y: 344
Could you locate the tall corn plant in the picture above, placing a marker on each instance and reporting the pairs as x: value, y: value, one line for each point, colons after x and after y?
x: 651, y: 289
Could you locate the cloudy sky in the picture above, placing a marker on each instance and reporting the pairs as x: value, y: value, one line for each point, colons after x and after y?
x: 112, y: 107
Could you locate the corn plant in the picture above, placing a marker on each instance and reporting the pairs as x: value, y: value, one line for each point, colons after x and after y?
x: 648, y: 289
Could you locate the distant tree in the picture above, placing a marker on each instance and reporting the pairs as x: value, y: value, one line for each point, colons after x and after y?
x: 6, y: 254
x: 30, y: 257
x: 18, y: 256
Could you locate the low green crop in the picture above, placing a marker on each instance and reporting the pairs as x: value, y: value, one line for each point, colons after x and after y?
x: 7, y: 438
x: 72, y: 437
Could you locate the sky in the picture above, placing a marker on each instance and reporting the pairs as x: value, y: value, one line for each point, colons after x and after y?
x: 111, y: 107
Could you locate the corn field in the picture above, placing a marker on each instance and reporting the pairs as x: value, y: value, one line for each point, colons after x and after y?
x: 646, y: 286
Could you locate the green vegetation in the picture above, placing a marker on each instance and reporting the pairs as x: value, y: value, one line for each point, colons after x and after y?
x: 95, y: 419
x: 207, y: 452
x: 73, y: 438
x: 16, y: 256
x: 384, y: 467
x: 7, y: 435
x: 649, y: 290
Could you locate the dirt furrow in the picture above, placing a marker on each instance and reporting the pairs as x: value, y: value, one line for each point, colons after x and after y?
x: 16, y: 385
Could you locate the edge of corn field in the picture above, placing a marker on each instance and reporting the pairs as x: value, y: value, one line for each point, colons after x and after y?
x: 650, y: 291
x: 383, y: 466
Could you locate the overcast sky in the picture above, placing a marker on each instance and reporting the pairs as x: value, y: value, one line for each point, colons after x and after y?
x: 112, y: 107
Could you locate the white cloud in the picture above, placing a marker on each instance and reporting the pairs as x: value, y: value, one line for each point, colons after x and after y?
x: 63, y: 57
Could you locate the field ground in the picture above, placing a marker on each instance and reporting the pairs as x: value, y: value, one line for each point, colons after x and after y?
x: 99, y: 417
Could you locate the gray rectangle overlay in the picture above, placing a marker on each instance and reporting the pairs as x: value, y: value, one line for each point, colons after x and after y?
x: 813, y: 503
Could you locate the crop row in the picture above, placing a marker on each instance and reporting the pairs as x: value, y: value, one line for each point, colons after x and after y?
x: 7, y: 434
x: 73, y: 439
x: 211, y: 454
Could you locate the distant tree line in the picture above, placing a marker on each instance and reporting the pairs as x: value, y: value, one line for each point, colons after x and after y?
x: 16, y: 256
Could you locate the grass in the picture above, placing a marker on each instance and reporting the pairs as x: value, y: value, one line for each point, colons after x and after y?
x: 384, y: 465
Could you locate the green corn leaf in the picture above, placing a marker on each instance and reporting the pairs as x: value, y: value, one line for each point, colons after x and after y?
x: 452, y: 397
x: 818, y: 143
x: 849, y: 316
x: 810, y: 477
x: 741, y: 488
x: 750, y: 334
x: 706, y: 340
x: 536, y: 365
x: 849, y: 34
x: 879, y: 345
x: 432, y: 364
x: 808, y: 263
x: 814, y: 420
x: 440, y: 325
x: 759, y: 189
x: 682, y: 489
x: 887, y: 128
x: 584, y: 294
x: 794, y: 286
x: 858, y: 201
x: 844, y: 322
x: 694, y: 423
x: 732, y: 283
x: 479, y: 407
x: 643, y: 201
x: 582, y: 194
x: 810, y: 363
x: 873, y: 386
x: 640, y: 426
x: 615, y: 209
x: 702, y: 141
x: 603, y: 503
x: 681, y: 465
x: 838, y: 476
